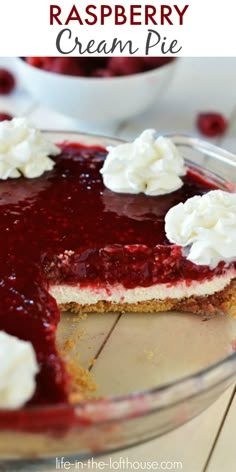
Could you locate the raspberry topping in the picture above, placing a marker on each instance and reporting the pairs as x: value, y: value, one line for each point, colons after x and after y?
x: 66, y: 227
x: 7, y: 82
x: 211, y: 124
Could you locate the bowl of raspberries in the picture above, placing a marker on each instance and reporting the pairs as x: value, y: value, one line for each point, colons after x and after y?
x: 96, y: 90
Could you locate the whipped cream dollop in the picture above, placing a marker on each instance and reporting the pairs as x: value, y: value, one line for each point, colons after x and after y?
x: 150, y: 165
x: 206, y: 227
x: 24, y: 150
x: 18, y: 368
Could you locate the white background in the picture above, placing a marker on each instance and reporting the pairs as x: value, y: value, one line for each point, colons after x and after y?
x: 208, y: 29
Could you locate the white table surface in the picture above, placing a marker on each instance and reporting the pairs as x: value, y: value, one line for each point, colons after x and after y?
x: 206, y: 443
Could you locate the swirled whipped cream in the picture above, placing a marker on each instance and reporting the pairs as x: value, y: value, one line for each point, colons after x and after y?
x: 24, y: 150
x: 206, y: 227
x: 150, y: 165
x: 18, y: 368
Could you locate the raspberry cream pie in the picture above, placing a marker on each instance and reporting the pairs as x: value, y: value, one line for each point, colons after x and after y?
x: 128, y: 229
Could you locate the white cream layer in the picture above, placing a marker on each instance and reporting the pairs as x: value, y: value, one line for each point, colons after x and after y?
x: 118, y: 294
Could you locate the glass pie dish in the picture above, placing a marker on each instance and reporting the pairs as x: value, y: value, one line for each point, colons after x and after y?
x: 154, y: 372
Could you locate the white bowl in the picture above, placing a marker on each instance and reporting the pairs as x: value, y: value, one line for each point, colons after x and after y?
x: 96, y: 100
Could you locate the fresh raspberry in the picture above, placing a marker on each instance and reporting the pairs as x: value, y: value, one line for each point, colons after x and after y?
x: 45, y: 63
x: 7, y: 82
x: 67, y: 66
x: 125, y: 65
x: 98, y: 66
x: 91, y: 64
x: 5, y: 116
x: 155, y: 62
x: 211, y: 124
x: 103, y: 73
x: 35, y: 61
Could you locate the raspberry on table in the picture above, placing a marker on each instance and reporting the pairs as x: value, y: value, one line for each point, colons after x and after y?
x: 7, y: 82
x: 212, y: 124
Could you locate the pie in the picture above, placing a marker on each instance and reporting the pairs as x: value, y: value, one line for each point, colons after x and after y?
x: 69, y: 243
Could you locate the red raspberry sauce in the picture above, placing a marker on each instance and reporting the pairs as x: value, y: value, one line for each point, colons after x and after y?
x: 68, y: 209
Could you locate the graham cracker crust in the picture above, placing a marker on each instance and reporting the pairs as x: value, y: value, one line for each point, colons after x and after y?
x: 223, y: 301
